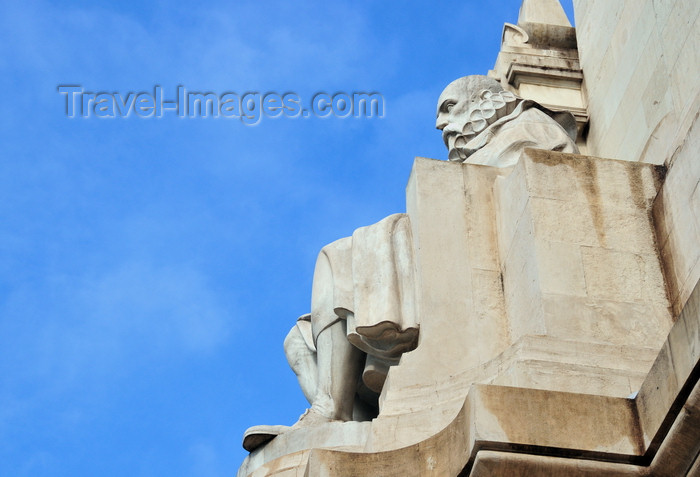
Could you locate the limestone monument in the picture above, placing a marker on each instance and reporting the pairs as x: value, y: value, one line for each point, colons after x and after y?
x: 534, y: 311
x: 363, y: 312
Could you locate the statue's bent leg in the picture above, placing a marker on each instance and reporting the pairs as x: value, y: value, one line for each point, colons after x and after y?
x: 302, y: 360
x: 339, y: 368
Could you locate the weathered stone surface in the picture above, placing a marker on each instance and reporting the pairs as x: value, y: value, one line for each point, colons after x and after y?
x: 677, y: 219
x: 549, y: 12
x: 640, y: 59
x: 490, y: 464
x: 635, y: 54
x: 579, y: 256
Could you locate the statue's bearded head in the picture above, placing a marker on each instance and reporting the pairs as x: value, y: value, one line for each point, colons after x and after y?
x: 468, y: 106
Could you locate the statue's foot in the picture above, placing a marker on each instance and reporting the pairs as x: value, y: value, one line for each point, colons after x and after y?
x: 311, y: 417
x: 257, y: 436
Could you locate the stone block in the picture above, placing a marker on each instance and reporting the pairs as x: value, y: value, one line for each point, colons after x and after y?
x: 658, y: 101
x: 581, y: 262
x: 568, y: 377
x: 595, y: 28
x: 564, y: 221
x: 569, y: 177
x: 511, y: 199
x: 662, y: 11
x: 550, y: 419
x: 479, y: 203
x: 522, y: 287
x: 552, y: 95
x: 612, y: 275
x: 677, y: 29
x: 672, y: 368
x: 626, y: 36
x: 551, y: 177
x: 678, y: 238
x: 628, y: 51
x: 560, y: 268
x: 491, y: 463
x: 489, y: 306
x: 606, y: 321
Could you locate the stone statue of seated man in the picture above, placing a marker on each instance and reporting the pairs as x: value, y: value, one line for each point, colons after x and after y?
x: 364, y: 312
x: 363, y: 317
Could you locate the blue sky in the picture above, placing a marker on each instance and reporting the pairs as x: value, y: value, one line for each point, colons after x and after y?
x: 150, y: 268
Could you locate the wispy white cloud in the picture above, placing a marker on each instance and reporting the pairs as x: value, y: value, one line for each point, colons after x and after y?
x: 160, y: 308
x: 205, y: 46
x: 110, y: 324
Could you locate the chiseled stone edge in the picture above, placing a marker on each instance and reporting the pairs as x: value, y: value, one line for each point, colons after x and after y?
x: 503, y: 418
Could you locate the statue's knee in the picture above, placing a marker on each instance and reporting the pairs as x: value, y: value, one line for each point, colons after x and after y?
x: 292, y: 341
x: 297, y: 351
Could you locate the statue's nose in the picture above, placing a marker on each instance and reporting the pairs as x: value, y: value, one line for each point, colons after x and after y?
x: 441, y: 122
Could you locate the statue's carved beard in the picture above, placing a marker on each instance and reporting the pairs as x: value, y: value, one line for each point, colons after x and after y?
x: 491, y: 107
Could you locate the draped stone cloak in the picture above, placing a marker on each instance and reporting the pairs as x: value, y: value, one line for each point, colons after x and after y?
x: 369, y: 281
